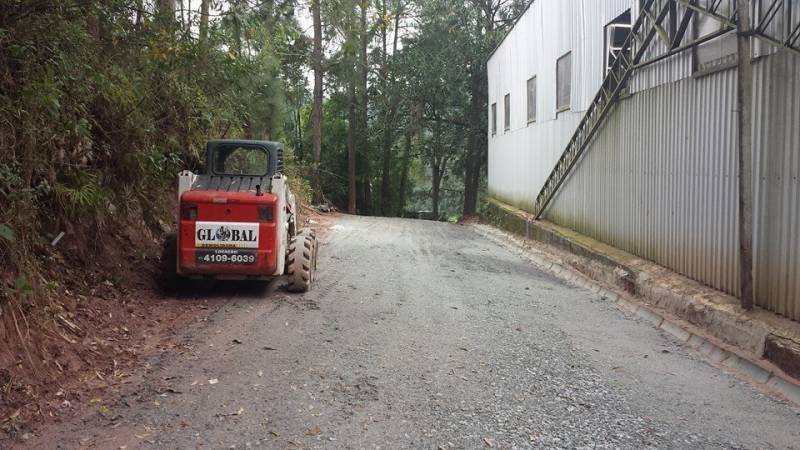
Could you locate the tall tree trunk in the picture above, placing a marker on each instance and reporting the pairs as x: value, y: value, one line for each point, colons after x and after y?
x: 352, y: 119
x: 204, y: 8
x: 436, y: 171
x: 477, y: 146
x: 405, y: 166
x: 316, y: 115
x: 139, y: 13
x: 299, y: 132
x: 237, y: 31
x: 475, y: 155
x: 363, y: 127
x: 367, y: 185
x: 435, y: 190
x: 183, y: 17
x: 166, y: 13
x: 386, y: 154
x: 391, y: 111
x: 386, y: 176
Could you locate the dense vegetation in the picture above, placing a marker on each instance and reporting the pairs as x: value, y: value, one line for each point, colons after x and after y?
x: 404, y: 111
x: 102, y: 102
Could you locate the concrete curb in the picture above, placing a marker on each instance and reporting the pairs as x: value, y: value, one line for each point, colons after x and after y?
x: 737, y: 355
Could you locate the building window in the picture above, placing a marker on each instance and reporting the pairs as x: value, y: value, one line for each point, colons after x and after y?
x: 563, y: 82
x: 494, y: 119
x: 616, y: 34
x: 532, y: 100
x: 507, y: 112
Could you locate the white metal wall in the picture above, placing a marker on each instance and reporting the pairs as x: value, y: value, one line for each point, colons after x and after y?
x: 776, y: 135
x: 521, y: 158
x: 660, y: 181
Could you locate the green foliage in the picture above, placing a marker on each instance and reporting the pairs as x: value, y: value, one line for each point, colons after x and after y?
x: 82, y: 194
x: 432, y: 88
x: 102, y: 103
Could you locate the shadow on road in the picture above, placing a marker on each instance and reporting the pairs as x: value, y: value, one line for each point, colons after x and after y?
x: 221, y: 291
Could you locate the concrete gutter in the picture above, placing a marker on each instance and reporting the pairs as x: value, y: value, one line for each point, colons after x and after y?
x: 759, y: 345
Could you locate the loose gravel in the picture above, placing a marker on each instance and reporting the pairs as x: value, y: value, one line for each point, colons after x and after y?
x: 426, y: 335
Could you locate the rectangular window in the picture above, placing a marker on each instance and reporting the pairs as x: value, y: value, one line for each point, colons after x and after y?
x: 532, y: 100
x: 494, y: 119
x: 616, y: 35
x: 507, y: 112
x: 563, y: 82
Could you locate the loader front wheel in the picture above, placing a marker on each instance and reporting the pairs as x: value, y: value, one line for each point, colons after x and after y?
x: 300, y: 264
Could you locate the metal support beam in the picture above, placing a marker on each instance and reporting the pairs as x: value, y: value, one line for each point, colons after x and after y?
x: 683, y: 27
x: 745, y: 152
x: 658, y: 28
x: 673, y: 21
x: 706, y: 12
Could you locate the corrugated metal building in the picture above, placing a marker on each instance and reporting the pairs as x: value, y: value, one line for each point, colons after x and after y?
x: 659, y: 179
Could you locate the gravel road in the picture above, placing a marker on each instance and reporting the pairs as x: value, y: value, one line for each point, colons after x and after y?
x: 426, y: 335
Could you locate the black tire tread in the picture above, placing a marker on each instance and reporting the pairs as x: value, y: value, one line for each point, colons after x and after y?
x: 300, y: 263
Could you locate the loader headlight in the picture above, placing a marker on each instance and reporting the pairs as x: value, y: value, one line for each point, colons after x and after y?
x: 189, y: 212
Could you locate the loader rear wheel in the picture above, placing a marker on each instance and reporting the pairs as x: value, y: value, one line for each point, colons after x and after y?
x: 300, y: 264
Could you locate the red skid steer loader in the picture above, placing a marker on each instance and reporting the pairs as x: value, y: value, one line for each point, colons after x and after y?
x: 239, y: 220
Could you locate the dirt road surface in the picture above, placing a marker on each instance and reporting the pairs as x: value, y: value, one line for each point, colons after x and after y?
x: 426, y: 335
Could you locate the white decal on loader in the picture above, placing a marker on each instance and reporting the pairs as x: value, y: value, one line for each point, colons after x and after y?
x: 226, y: 235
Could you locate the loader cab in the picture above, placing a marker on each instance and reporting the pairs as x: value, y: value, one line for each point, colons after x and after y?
x: 238, y: 220
x: 232, y: 218
x: 244, y: 158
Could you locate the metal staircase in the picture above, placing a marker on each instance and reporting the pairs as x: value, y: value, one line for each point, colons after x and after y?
x: 661, y: 31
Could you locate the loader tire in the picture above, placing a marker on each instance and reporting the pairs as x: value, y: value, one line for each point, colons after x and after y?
x: 313, y: 235
x: 300, y: 264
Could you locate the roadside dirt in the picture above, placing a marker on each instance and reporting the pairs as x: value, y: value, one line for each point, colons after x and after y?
x: 107, y: 322
x: 81, y: 334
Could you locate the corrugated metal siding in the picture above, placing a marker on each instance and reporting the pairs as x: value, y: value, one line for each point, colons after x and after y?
x: 660, y: 181
x: 777, y: 27
x: 521, y: 158
x: 777, y: 142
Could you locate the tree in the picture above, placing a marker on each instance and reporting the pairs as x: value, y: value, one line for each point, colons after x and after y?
x: 203, y: 28
x: 363, y: 113
x: 400, y: 72
x: 166, y: 15
x: 316, y: 116
x: 344, y: 20
x: 391, y: 98
x: 488, y: 25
